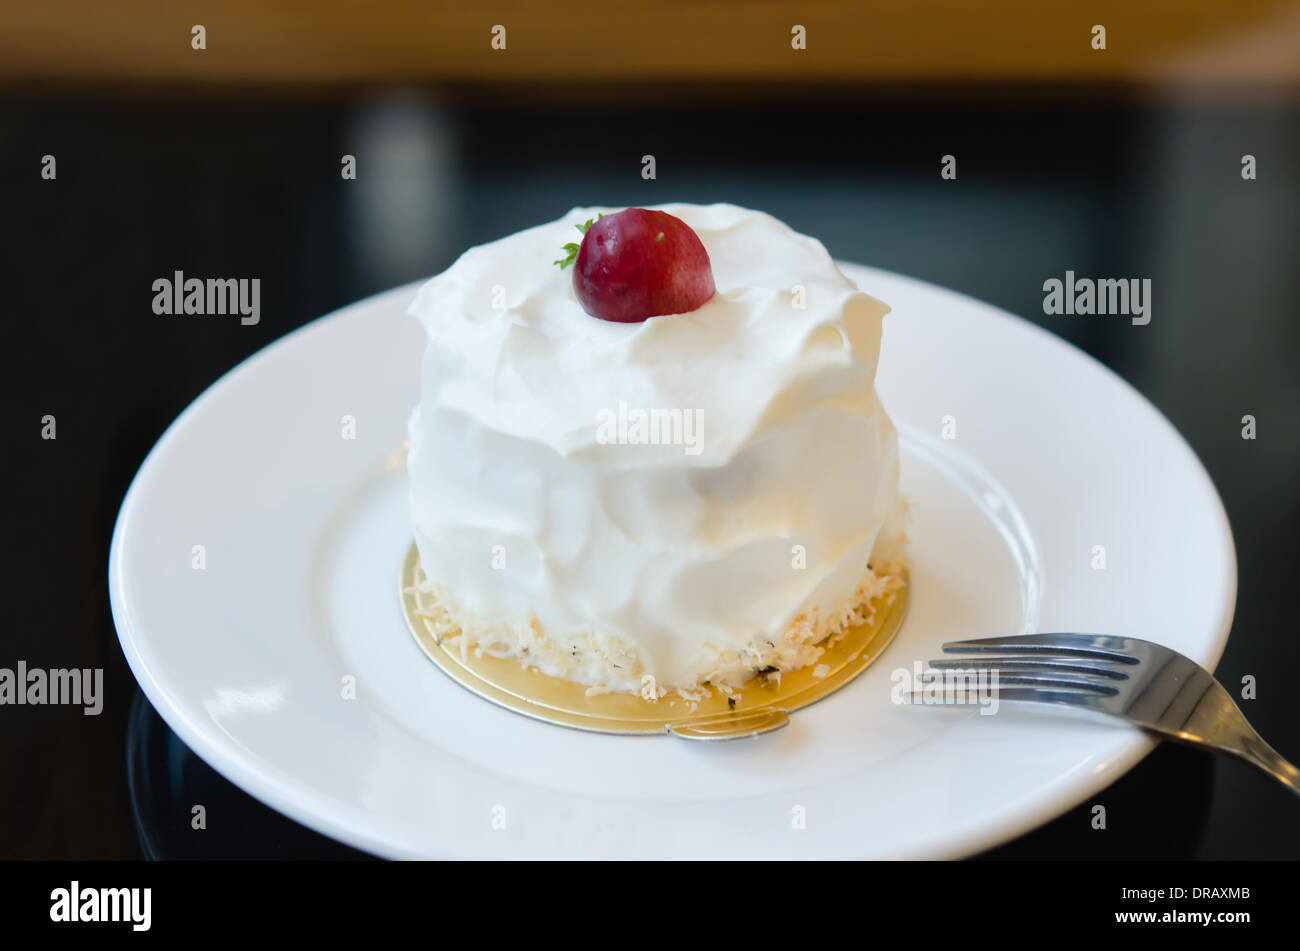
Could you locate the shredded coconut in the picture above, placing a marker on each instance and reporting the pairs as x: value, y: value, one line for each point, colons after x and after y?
x: 606, y: 664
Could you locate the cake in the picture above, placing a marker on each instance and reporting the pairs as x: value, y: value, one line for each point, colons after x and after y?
x: 668, y: 504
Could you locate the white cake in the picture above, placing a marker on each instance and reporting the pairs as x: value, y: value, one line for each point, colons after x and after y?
x: 553, y: 530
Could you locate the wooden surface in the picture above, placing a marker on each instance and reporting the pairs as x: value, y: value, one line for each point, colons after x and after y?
x: 332, y: 42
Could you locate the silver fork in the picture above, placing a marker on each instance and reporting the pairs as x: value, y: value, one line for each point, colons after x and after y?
x: 1151, y: 686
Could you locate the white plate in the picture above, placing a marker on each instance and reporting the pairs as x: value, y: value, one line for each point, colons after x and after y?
x: 303, y: 531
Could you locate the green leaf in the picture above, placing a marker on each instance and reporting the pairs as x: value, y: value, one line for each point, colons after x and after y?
x: 571, y: 255
x: 571, y: 250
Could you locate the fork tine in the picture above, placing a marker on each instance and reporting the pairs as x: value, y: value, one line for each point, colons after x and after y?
x: 1097, y: 646
x: 1098, y: 685
x: 918, y: 698
x: 1079, y: 665
x: 1102, y: 686
x: 1071, y: 696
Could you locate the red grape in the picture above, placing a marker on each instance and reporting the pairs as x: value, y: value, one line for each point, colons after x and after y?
x: 638, y: 264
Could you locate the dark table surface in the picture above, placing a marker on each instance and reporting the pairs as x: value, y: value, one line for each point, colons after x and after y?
x: 212, y: 185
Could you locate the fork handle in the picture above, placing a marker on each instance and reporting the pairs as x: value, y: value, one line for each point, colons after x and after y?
x: 1252, y: 748
x: 1218, y: 723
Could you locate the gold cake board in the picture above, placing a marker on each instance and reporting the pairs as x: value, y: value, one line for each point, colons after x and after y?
x: 763, y: 705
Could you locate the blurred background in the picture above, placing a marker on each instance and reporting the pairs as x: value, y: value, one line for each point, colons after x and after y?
x: 1121, y: 161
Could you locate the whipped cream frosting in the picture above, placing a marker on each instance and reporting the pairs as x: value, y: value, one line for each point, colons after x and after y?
x: 538, y: 501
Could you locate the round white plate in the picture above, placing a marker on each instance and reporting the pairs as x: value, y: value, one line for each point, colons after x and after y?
x: 247, y: 644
